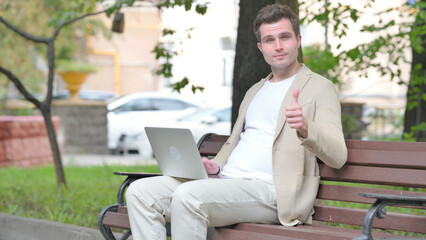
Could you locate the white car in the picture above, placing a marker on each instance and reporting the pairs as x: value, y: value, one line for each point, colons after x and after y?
x: 131, y: 113
x: 210, y: 120
x: 200, y: 122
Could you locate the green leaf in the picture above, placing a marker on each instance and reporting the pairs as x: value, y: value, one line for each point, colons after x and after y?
x: 201, y: 8
x: 195, y: 88
x: 110, y: 10
x: 167, y: 31
x: 179, y: 85
x: 130, y: 2
x: 188, y: 5
x: 165, y: 70
x: 418, y: 67
x: 411, y: 105
x: 354, y: 15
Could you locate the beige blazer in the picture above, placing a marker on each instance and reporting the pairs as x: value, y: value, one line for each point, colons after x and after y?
x: 295, y: 169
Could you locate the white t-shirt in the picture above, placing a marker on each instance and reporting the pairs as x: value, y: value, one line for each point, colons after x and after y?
x: 252, y: 157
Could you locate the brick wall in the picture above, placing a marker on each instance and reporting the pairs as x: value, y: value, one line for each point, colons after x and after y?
x: 24, y: 141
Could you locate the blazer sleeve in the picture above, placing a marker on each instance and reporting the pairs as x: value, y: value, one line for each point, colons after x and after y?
x: 325, y: 135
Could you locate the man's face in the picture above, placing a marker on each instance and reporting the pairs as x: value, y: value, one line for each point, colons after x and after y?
x: 278, y: 44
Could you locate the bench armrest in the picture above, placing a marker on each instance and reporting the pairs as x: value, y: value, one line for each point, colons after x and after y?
x: 131, y: 176
x: 406, y: 199
x: 137, y: 175
x: 378, y: 208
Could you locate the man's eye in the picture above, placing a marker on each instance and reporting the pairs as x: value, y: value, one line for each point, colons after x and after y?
x: 269, y: 40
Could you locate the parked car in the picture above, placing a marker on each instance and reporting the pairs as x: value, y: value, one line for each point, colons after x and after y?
x: 131, y: 113
x: 200, y: 122
x: 86, y: 95
x: 211, y: 120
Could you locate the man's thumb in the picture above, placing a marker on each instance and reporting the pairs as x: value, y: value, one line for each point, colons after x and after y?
x: 295, y: 95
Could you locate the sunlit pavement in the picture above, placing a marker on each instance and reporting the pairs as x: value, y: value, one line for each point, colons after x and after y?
x: 98, y: 160
x: 19, y: 228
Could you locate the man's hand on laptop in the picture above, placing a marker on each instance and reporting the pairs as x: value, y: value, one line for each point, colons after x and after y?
x: 211, y: 167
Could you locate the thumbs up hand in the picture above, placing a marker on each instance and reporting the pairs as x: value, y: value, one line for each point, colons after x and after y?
x: 295, y: 117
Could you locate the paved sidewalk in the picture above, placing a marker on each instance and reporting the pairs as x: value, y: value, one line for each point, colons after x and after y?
x: 20, y: 228
x: 93, y: 160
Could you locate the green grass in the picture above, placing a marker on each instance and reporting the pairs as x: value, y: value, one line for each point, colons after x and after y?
x: 32, y: 192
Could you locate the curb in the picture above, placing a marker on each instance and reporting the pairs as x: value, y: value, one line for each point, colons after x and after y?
x: 15, y: 227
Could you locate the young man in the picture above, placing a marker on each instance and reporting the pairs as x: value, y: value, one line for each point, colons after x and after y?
x: 268, y: 165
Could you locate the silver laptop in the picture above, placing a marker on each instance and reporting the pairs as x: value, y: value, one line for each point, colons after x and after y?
x: 176, y: 153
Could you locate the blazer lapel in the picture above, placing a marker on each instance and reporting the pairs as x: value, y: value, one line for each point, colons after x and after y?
x: 302, y: 78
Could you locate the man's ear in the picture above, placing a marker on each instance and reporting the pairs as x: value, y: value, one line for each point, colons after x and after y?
x: 299, y: 41
x: 259, y: 46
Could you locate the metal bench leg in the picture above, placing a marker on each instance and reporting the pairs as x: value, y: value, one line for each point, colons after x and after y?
x: 126, y: 235
x: 105, y: 230
x: 377, y: 209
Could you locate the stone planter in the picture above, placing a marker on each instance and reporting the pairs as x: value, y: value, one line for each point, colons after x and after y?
x: 83, y: 127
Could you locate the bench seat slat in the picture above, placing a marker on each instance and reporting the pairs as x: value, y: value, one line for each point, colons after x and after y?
x: 375, y: 175
x: 395, y: 221
x: 306, y: 231
x: 122, y: 209
x: 234, y: 234
x: 118, y: 220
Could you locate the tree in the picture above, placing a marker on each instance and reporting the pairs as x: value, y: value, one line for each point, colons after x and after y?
x: 80, y: 10
x: 45, y: 105
x: 415, y: 111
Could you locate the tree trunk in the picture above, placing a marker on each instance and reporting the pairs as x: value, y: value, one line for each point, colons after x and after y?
x: 416, y: 88
x: 249, y: 66
x: 50, y: 128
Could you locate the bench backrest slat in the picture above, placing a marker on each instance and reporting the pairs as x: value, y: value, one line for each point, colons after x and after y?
x: 210, y: 148
x: 386, y: 146
x: 351, y: 194
x: 387, y: 154
x: 375, y: 175
x: 210, y: 144
x: 381, y: 158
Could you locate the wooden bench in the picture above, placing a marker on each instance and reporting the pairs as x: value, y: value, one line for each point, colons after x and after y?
x: 377, y: 174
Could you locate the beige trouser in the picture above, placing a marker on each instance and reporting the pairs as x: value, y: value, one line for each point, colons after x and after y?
x: 193, y: 206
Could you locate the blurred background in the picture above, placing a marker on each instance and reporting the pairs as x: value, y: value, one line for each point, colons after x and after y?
x: 132, y: 86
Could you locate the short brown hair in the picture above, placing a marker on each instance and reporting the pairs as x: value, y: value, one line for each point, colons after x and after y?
x: 274, y: 13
